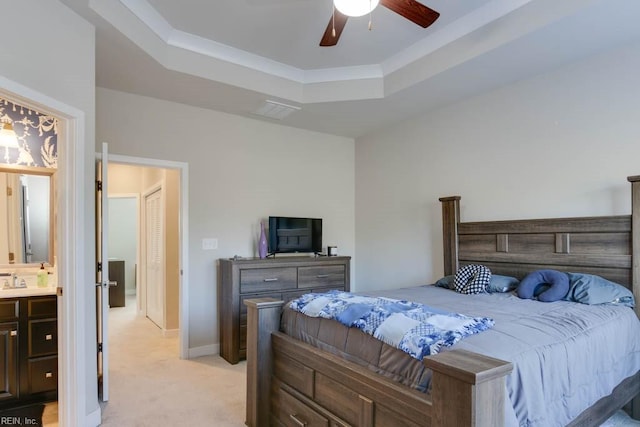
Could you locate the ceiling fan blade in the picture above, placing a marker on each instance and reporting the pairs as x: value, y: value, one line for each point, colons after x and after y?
x: 337, y: 21
x: 413, y: 11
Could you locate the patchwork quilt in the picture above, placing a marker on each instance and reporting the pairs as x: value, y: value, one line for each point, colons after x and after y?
x: 414, y: 328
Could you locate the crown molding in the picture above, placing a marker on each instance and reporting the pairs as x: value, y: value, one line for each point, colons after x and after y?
x: 472, y: 35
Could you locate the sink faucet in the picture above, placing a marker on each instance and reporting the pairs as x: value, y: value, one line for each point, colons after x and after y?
x: 12, y: 283
x: 19, y: 283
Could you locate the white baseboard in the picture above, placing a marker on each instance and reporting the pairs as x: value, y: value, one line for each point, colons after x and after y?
x: 205, y: 350
x: 94, y: 419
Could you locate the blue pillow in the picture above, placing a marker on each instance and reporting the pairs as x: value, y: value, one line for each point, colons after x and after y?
x: 445, y: 282
x: 592, y: 289
x: 500, y: 283
x: 497, y: 283
x: 546, y: 285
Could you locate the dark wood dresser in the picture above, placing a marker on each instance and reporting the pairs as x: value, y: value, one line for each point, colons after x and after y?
x: 116, y: 283
x: 282, y: 278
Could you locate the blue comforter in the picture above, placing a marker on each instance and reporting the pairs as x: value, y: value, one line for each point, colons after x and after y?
x: 566, y: 355
x: 416, y: 329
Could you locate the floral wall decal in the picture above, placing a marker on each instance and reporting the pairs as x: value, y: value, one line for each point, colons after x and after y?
x: 37, y: 136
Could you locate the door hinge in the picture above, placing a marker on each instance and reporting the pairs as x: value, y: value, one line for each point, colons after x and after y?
x: 98, y: 185
x: 9, y: 191
x: 99, y: 347
x: 99, y: 266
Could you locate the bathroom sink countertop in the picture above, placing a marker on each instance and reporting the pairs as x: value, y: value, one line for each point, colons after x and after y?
x: 26, y: 292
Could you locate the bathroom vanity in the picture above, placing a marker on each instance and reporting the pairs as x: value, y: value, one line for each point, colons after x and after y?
x: 28, y: 346
x: 28, y: 305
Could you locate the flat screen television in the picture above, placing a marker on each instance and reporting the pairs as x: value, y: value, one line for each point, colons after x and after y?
x: 289, y: 235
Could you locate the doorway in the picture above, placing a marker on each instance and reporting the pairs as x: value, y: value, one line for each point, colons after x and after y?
x: 123, y: 238
x: 145, y: 174
x: 144, y: 242
x: 73, y: 352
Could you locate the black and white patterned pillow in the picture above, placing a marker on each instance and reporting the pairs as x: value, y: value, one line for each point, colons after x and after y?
x: 472, y: 279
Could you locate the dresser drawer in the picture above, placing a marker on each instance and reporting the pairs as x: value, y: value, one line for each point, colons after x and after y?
x: 291, y: 412
x: 267, y: 279
x: 320, y: 276
x: 43, y: 374
x: 9, y: 309
x: 43, y: 337
x: 40, y: 307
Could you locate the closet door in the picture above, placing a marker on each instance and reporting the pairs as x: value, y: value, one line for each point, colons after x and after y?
x: 154, y: 239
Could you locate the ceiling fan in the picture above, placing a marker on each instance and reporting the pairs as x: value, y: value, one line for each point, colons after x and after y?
x: 410, y: 9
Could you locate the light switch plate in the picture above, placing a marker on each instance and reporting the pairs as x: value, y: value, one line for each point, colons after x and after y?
x: 209, y: 244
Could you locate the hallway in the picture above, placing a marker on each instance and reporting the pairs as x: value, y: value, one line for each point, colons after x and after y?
x: 151, y: 386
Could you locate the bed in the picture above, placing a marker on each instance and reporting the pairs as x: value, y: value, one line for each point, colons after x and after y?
x: 294, y: 383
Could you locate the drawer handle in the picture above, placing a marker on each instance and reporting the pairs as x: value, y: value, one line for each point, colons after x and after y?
x: 322, y: 276
x: 271, y: 279
x: 48, y: 374
x: 14, y: 333
x: 297, y: 421
x: 48, y: 337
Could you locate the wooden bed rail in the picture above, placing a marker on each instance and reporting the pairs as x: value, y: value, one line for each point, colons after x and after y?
x: 467, y: 389
x: 635, y: 240
x: 635, y: 263
x: 450, y: 220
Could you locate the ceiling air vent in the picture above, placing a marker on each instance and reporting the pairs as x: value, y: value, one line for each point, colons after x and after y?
x: 275, y: 110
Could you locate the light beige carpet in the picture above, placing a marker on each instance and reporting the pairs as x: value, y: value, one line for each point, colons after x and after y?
x: 151, y: 386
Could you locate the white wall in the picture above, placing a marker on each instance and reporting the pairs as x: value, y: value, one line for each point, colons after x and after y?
x: 123, y: 227
x: 240, y: 171
x: 49, y: 49
x: 560, y: 144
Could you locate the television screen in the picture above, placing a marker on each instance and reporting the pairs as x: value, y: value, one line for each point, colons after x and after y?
x: 287, y: 234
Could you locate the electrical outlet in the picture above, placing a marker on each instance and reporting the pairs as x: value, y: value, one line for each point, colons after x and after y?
x: 209, y: 244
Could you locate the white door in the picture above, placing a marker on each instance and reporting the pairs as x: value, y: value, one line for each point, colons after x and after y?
x: 102, y: 274
x: 154, y: 257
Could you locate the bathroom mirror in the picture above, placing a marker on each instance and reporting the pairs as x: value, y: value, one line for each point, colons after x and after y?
x: 26, y: 216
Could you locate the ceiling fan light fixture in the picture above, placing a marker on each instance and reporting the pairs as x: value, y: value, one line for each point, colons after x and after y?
x: 355, y: 7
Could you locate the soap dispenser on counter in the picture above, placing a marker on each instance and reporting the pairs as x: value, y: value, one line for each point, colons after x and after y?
x: 43, y: 277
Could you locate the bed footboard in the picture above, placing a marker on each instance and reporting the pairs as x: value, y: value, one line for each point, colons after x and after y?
x: 292, y: 383
x: 468, y: 389
x: 263, y: 318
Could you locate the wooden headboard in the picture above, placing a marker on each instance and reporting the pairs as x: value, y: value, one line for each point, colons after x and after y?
x: 604, y: 245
